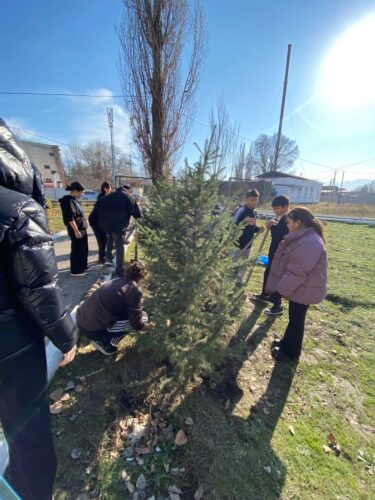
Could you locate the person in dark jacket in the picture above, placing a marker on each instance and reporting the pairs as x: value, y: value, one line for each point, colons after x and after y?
x: 31, y: 307
x: 114, y: 213
x: 100, y: 234
x: 246, y: 215
x: 76, y: 225
x: 279, y: 229
x: 112, y: 309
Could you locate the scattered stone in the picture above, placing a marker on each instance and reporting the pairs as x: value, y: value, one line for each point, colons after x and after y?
x: 56, y: 395
x: 130, y: 487
x: 175, y: 471
x: 199, y: 493
x: 157, y: 449
x: 268, y: 469
x: 79, y: 388
x: 59, y: 432
x: 141, y: 482
x: 76, y: 454
x: 70, y: 386
x: 56, y: 408
x: 326, y: 449
x: 181, y: 438
x: 140, y: 461
x: 174, y: 496
x: 125, y: 476
x: 291, y: 430
x: 174, y: 490
x: 88, y: 470
x: 334, y: 352
x: 73, y: 417
x: 189, y: 421
x: 129, y: 452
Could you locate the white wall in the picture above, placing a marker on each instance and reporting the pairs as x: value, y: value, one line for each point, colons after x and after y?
x: 298, y: 190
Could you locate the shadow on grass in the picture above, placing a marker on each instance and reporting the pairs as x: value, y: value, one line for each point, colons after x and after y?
x: 347, y: 304
x: 230, y: 456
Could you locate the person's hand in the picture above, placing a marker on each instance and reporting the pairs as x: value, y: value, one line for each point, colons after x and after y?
x: 270, y: 223
x: 251, y: 221
x: 78, y: 235
x: 262, y: 229
x: 68, y: 357
x: 148, y: 326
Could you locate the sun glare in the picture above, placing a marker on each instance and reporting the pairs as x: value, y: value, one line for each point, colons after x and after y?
x: 348, y: 71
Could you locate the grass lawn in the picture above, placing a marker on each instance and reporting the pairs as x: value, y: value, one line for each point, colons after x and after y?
x: 260, y: 432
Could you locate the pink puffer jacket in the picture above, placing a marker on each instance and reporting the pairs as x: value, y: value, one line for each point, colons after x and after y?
x: 299, y: 268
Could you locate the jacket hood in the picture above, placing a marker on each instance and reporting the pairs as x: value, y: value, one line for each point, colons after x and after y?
x: 17, y: 173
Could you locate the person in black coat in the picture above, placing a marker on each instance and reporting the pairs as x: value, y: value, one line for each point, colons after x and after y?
x: 280, y: 206
x: 76, y: 225
x: 100, y: 234
x: 114, y: 213
x: 31, y: 307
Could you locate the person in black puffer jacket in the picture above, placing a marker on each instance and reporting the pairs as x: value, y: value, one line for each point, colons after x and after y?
x: 114, y: 212
x: 76, y: 225
x: 31, y: 307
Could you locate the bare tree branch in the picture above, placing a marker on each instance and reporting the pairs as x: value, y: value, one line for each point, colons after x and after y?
x: 263, y: 154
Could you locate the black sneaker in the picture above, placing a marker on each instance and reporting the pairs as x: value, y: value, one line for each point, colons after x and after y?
x: 116, y: 340
x: 261, y: 297
x: 106, y: 349
x: 275, y: 311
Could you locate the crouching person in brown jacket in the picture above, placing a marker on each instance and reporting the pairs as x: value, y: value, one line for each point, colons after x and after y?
x: 114, y: 309
x: 298, y: 273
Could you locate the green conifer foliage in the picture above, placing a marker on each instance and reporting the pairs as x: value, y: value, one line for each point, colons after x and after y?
x: 189, y: 245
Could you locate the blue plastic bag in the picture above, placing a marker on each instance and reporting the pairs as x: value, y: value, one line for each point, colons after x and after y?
x: 262, y: 260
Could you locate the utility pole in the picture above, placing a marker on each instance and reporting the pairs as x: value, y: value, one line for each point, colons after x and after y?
x: 110, y: 124
x: 333, y: 186
x: 277, y: 149
x: 341, y: 188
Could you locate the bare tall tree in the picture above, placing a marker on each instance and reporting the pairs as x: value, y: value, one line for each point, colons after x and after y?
x: 263, y: 154
x: 224, y: 136
x: 91, y: 164
x: 243, y: 166
x: 153, y: 35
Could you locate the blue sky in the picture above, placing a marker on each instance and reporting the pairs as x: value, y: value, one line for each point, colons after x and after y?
x: 71, y: 46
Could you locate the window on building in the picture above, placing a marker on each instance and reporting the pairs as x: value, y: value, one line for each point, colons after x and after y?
x: 51, y: 154
x: 53, y: 172
x: 47, y: 167
x: 47, y: 179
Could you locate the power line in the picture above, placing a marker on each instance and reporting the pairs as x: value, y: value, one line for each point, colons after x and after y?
x: 122, y: 96
x: 65, y: 94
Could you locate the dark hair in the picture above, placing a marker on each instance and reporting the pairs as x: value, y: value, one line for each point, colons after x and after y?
x: 308, y: 219
x: 105, y: 185
x: 281, y: 201
x: 75, y: 186
x: 253, y: 193
x: 136, y: 270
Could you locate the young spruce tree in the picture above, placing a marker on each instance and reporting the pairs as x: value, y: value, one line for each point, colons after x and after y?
x: 188, y: 246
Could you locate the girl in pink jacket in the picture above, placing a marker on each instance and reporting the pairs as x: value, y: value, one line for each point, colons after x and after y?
x: 299, y: 273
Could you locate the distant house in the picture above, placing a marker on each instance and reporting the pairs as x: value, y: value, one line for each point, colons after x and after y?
x: 47, y: 158
x: 299, y: 189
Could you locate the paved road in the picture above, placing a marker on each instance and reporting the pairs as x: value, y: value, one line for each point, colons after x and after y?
x: 74, y: 287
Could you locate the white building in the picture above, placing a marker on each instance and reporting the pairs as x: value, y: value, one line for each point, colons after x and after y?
x: 48, y: 160
x: 298, y: 189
